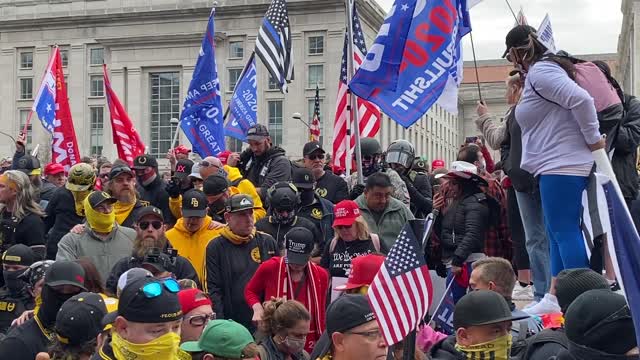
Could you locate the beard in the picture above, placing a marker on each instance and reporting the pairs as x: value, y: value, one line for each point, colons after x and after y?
x: 126, y: 196
x: 142, y: 245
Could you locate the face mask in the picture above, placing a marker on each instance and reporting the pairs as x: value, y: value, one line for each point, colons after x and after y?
x: 294, y: 346
x: 12, y: 282
x: 99, y: 222
x: 51, y: 303
x: 306, y: 197
x: 499, y: 349
x: 285, y: 220
x: 163, y: 348
x: 78, y: 198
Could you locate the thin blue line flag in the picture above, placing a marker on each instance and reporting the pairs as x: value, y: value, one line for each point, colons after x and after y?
x: 243, y: 108
x: 201, y: 115
x: 414, y: 58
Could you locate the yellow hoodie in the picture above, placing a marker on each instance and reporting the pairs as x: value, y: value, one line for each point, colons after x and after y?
x: 192, y: 246
x: 246, y: 187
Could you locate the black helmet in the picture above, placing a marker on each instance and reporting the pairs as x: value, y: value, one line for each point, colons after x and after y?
x: 419, y: 164
x: 283, y: 196
x: 400, y: 152
x: 370, y: 147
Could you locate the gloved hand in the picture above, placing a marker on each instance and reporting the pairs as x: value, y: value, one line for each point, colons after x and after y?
x: 173, y: 188
x: 356, y: 191
x: 441, y: 270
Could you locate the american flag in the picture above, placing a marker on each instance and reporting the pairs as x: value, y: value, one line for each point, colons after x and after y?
x: 314, y: 129
x: 368, y: 113
x: 400, y: 294
x: 273, y: 44
x: 520, y: 18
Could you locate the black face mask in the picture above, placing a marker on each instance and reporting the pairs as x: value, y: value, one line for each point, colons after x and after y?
x: 51, y: 303
x: 217, y: 207
x: 12, y: 282
x: 306, y: 197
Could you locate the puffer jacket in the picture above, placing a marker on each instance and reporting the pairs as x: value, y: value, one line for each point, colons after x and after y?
x: 393, y: 219
x: 192, y: 246
x: 266, y: 170
x: 446, y: 350
x: 464, y: 226
x: 625, y: 139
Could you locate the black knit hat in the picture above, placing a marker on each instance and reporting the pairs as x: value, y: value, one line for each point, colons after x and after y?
x: 572, y: 283
x: 601, y: 320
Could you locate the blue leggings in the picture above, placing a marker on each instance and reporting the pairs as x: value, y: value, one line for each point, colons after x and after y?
x: 561, y: 197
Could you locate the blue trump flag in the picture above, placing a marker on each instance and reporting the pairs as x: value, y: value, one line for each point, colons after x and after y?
x: 443, y: 314
x: 414, y: 58
x: 243, y: 108
x: 201, y: 118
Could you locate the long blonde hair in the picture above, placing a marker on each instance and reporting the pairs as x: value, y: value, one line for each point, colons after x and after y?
x: 24, y: 201
x: 362, y: 230
x: 514, y: 89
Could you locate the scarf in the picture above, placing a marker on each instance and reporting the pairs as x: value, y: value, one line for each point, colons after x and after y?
x: 498, y: 349
x: 122, y: 211
x: 285, y: 289
x: 99, y: 222
x: 78, y: 198
x: 163, y: 348
x: 237, y: 239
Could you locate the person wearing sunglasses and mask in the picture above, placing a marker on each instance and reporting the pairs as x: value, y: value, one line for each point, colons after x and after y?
x: 328, y: 185
x: 150, y: 235
x: 62, y: 280
x: 285, y: 324
x: 103, y: 241
x: 147, y: 323
x: 197, y: 311
x: 14, y: 296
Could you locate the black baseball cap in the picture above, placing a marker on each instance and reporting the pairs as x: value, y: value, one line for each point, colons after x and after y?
x: 65, y: 273
x: 299, y: 244
x: 99, y: 197
x: 148, y: 304
x: 239, y: 202
x: 183, y: 168
x: 311, y: 147
x: 149, y: 210
x: 157, y: 261
x: 257, y: 132
x: 518, y: 36
x: 194, y: 204
x: 302, y: 178
x: 347, y: 312
x: 119, y: 170
x: 29, y: 165
x: 215, y: 185
x: 79, y: 319
x: 482, y: 307
x: 144, y: 161
x: 19, y: 254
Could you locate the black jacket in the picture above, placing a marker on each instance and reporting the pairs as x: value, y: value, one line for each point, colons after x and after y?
x: 183, y: 270
x: 446, y: 350
x: 46, y: 190
x: 60, y: 218
x: 229, y: 267
x: 24, y: 342
x: 332, y: 187
x: 419, y: 186
x: 320, y: 213
x: 268, y: 225
x: 266, y: 170
x: 12, y: 306
x: 29, y: 230
x: 511, y: 155
x: 131, y: 219
x: 625, y: 140
x: 156, y: 194
x: 579, y: 352
x: 464, y: 226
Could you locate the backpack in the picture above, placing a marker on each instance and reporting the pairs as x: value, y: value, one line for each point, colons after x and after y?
x: 375, y: 239
x: 522, y: 350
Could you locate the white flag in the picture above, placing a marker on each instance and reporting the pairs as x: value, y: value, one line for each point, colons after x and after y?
x: 545, y: 34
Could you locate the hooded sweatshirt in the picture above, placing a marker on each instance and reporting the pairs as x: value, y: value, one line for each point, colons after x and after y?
x: 192, y: 245
x: 245, y: 186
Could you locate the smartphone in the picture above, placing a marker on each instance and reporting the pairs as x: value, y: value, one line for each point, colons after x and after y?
x: 470, y: 139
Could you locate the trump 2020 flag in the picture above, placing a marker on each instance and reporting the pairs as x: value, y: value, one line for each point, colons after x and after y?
x: 52, y: 106
x: 400, y: 293
x: 243, y: 108
x: 201, y: 118
x: 406, y: 72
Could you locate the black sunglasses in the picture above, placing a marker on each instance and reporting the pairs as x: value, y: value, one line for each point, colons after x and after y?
x: 314, y: 157
x: 144, y: 225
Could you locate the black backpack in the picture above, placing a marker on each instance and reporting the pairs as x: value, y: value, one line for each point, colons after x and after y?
x: 522, y: 350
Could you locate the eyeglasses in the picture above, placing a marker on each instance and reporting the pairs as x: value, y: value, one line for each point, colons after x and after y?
x: 201, y: 320
x: 154, y: 289
x: 205, y: 163
x: 316, y: 157
x: 369, y: 335
x: 144, y: 225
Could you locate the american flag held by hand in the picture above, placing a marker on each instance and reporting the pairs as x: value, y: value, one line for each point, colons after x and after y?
x: 400, y: 294
x: 273, y: 45
x: 314, y: 128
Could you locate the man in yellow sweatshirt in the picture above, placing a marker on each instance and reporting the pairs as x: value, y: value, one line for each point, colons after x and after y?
x: 245, y: 186
x: 193, y: 232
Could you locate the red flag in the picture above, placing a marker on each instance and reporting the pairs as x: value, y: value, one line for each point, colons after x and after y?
x: 125, y: 136
x: 65, y: 146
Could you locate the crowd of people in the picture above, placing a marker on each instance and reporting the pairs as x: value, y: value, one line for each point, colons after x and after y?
x: 255, y: 256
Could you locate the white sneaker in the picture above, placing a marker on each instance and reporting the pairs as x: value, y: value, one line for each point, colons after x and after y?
x: 548, y: 305
x: 522, y: 293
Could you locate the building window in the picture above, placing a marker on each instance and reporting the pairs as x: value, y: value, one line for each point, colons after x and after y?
x: 234, y: 76
x: 235, y: 145
x: 96, y: 130
x: 236, y: 49
x: 26, y: 89
x: 316, y: 45
x: 24, y: 114
x: 96, y: 56
x: 310, y: 107
x: 97, y: 86
x: 64, y: 55
x: 315, y: 76
x: 26, y: 60
x: 273, y: 84
x: 165, y: 105
x: 275, y: 121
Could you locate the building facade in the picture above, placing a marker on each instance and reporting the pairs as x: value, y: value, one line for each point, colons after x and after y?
x: 629, y: 47
x: 150, y: 48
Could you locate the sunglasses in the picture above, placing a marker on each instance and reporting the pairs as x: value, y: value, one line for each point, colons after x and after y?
x: 144, y: 225
x: 154, y: 289
x: 104, y: 176
x: 201, y: 320
x: 316, y: 157
x: 205, y: 163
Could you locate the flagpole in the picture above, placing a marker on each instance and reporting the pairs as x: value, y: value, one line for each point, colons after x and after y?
x: 475, y: 65
x: 511, y: 9
x: 352, y: 108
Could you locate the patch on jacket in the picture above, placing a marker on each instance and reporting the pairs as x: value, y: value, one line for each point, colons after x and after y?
x: 316, y: 213
x: 322, y: 192
x: 255, y: 255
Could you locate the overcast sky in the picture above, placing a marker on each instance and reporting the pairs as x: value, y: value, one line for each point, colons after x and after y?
x: 579, y: 26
